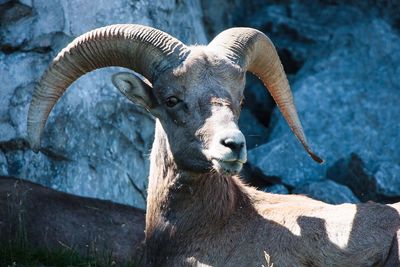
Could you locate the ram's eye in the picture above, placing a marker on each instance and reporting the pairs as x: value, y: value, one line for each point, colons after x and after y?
x: 172, y: 101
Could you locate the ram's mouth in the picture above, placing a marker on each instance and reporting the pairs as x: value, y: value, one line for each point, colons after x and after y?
x: 227, y: 167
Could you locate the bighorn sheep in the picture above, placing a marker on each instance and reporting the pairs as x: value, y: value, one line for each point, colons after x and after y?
x: 198, y: 210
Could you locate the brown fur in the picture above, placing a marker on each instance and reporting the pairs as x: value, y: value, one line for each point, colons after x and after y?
x: 215, y: 220
x: 198, y: 215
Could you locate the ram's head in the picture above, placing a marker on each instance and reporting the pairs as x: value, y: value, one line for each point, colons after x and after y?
x: 195, y: 92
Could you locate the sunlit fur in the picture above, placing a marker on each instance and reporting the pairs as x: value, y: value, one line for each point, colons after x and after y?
x: 199, y: 215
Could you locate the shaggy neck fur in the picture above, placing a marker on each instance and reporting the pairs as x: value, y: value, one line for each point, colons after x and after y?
x: 183, y: 206
x: 214, y: 219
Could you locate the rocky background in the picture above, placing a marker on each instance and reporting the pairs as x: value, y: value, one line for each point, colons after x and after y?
x: 342, y: 59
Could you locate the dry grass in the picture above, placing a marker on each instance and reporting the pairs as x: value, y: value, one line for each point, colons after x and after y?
x: 267, y: 260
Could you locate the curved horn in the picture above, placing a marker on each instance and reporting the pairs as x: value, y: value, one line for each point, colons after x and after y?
x: 145, y: 50
x: 254, y: 51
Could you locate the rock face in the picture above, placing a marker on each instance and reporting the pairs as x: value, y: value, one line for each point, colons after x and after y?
x: 96, y: 143
x: 347, y: 94
x: 327, y: 191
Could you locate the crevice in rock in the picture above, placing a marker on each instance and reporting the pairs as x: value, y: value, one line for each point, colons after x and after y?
x: 136, y: 187
x: 40, y: 50
x: 9, y: 49
x: 54, y: 155
x: 23, y: 145
x: 13, y: 11
x: 255, y: 177
x: 262, y: 104
x: 289, y: 62
x: 14, y: 144
x: 352, y: 172
x: 396, y: 24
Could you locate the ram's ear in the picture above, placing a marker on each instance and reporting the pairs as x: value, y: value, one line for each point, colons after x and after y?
x: 135, y: 89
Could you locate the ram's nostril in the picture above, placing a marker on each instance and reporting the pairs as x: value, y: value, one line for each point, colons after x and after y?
x: 235, y: 145
x: 228, y: 142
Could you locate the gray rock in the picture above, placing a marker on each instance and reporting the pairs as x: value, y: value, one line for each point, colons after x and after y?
x: 380, y: 184
x: 388, y: 179
x: 347, y: 97
x: 352, y: 172
x: 222, y: 14
x: 13, y: 11
x: 298, y: 27
x: 7, y: 132
x: 3, y: 164
x: 258, y: 100
x: 327, y: 191
x: 34, y: 25
x: 19, y: 72
x: 26, y: 2
x: 182, y: 19
x: 38, y: 25
x: 255, y: 132
x: 277, y: 159
x: 276, y: 189
x: 2, y: 2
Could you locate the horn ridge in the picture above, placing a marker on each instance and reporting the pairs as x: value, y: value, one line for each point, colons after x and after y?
x: 142, y: 49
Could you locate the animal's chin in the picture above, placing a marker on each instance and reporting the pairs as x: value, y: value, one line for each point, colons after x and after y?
x: 227, y: 167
